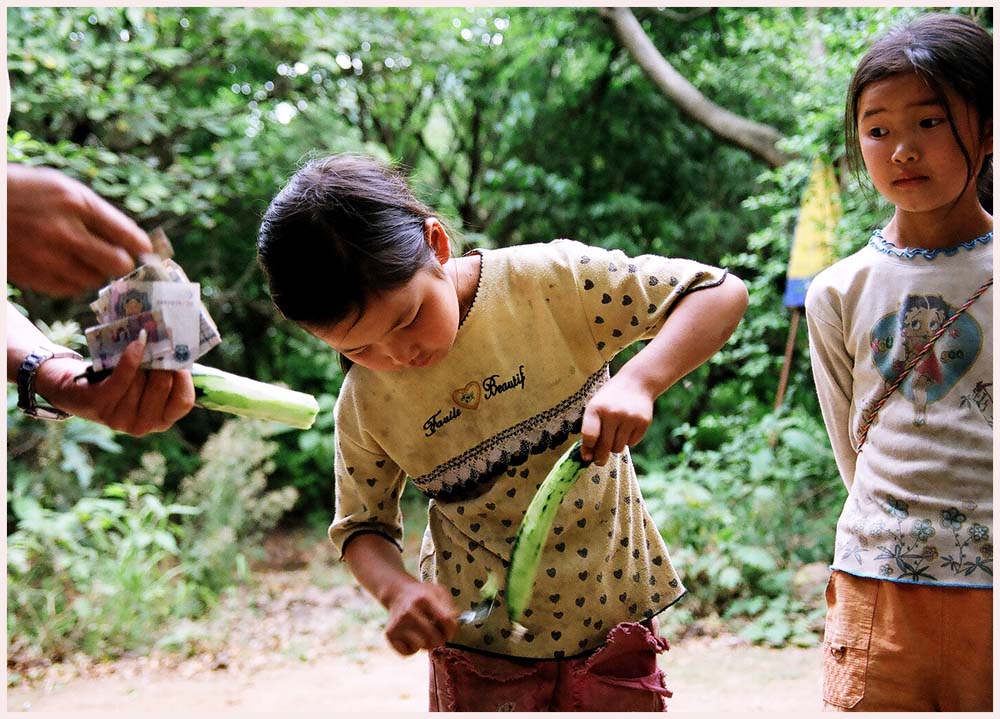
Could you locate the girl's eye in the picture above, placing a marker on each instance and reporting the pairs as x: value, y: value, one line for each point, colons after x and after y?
x: 414, y: 320
x: 929, y: 122
x: 878, y: 132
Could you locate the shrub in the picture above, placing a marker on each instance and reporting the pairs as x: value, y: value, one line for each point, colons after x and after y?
x: 237, y: 509
x: 743, y: 516
x: 99, y: 578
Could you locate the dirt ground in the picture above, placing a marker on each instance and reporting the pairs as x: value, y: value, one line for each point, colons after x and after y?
x: 306, y: 639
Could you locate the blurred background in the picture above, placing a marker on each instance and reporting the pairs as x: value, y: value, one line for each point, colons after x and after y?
x: 519, y: 125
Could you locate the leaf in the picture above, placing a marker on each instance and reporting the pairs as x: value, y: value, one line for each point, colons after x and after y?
x: 77, y: 461
x: 756, y: 557
x: 26, y: 509
x: 730, y: 578
x: 761, y: 462
x: 802, y: 442
x: 166, y: 541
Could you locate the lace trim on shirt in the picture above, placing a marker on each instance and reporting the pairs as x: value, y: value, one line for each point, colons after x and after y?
x: 473, y: 472
x: 878, y: 242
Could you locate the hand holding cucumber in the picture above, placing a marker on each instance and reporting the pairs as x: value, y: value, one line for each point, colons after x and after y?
x: 617, y: 416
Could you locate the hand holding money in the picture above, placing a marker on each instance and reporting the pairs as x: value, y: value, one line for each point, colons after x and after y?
x: 159, y: 303
x: 129, y: 400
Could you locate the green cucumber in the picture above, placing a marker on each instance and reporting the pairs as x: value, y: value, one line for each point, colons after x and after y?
x: 225, y: 392
x: 534, y: 529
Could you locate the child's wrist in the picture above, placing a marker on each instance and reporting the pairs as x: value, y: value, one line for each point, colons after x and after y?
x: 390, y: 591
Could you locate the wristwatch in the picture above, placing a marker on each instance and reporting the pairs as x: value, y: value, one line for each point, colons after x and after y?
x: 26, y: 400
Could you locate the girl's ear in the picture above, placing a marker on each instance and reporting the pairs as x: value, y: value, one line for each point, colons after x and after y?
x: 437, y: 238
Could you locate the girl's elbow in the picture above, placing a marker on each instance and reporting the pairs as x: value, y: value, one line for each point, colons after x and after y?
x: 737, y: 296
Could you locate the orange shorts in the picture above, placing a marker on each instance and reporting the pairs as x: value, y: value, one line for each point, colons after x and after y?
x: 890, y: 646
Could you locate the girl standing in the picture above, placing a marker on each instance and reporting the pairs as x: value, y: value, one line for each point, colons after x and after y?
x: 901, y: 344
x: 471, y: 376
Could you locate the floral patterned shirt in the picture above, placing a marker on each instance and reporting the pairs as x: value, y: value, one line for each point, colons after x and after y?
x: 920, y: 502
x: 479, y: 431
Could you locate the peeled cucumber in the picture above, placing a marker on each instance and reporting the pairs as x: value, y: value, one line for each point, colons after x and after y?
x: 226, y: 392
x: 534, y: 529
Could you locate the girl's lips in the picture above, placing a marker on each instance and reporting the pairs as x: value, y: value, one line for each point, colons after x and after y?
x: 423, y: 360
x: 909, y: 181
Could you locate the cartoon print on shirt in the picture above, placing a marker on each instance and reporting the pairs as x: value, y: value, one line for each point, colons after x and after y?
x: 898, y: 337
x: 981, y: 398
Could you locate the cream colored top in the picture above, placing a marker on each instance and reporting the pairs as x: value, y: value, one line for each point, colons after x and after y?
x: 480, y: 430
x: 920, y: 503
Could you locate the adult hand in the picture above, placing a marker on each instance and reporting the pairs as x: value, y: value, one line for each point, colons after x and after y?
x: 62, y: 239
x: 131, y: 399
x: 421, y: 616
x: 617, y: 416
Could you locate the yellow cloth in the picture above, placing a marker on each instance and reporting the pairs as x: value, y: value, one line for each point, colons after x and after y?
x: 480, y: 430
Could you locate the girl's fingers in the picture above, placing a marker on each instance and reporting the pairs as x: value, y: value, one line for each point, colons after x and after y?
x: 637, y: 434
x: 406, y: 643
x: 622, y: 435
x: 590, y: 431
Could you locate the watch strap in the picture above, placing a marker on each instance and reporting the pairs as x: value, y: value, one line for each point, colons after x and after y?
x: 26, y: 398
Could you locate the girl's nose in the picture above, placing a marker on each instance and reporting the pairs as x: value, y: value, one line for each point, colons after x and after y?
x: 403, y: 353
x: 905, y: 152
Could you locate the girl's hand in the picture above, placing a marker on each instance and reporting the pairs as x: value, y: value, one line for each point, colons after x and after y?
x: 421, y: 616
x: 617, y: 416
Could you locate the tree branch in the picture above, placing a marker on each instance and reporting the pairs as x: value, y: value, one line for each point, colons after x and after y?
x: 758, y: 139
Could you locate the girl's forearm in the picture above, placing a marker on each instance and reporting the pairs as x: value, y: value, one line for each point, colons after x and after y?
x: 698, y: 326
x: 378, y: 566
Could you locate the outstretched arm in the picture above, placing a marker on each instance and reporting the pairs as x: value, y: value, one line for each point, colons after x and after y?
x: 131, y: 399
x: 699, y: 324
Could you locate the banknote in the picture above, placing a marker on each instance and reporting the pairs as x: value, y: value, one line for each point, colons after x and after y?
x: 108, y: 341
x: 161, y: 245
x: 179, y: 303
x: 159, y: 285
x: 208, y: 332
x: 152, y: 272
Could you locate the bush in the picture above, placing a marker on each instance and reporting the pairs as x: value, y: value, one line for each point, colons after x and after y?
x: 742, y: 518
x: 237, y: 510
x: 99, y: 578
x: 105, y: 575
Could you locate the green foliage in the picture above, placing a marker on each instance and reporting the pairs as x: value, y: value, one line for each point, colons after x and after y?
x: 237, y: 509
x: 520, y: 125
x: 743, y: 511
x: 105, y: 574
x: 100, y: 577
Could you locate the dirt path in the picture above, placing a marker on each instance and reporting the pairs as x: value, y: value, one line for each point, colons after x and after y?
x: 704, y: 676
x: 306, y: 639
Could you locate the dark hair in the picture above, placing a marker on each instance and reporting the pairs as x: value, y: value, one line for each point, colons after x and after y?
x: 344, y: 229
x: 944, y: 50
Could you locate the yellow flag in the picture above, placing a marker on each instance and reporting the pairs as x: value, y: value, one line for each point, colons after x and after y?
x: 812, y: 243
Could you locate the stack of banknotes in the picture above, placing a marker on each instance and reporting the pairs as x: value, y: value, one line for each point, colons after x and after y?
x: 157, y: 297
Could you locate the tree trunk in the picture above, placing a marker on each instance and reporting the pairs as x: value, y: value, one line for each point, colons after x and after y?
x: 757, y: 139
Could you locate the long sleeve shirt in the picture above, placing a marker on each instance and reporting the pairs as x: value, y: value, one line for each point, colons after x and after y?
x: 920, y: 502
